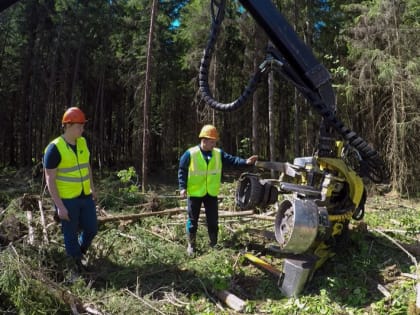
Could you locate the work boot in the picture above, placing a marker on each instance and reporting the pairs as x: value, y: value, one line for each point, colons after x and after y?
x: 73, y: 270
x: 81, y: 266
x: 213, y: 239
x: 191, y: 243
x: 83, y: 249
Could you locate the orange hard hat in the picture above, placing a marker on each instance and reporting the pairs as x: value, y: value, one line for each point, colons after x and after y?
x: 73, y: 115
x: 209, y: 132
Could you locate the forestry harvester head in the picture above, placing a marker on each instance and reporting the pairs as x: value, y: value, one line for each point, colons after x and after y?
x: 322, y: 195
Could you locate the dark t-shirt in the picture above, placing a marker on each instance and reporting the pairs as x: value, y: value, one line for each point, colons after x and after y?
x: 52, y: 157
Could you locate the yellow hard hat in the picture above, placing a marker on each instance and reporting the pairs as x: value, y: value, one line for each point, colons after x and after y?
x: 209, y: 132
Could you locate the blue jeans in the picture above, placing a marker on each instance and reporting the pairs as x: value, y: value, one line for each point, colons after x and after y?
x: 83, y: 220
x: 211, y: 210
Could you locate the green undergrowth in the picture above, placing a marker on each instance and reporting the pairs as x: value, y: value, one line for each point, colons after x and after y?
x: 141, y: 266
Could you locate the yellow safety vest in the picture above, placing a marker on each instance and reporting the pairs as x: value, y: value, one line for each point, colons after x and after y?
x: 204, y: 178
x: 72, y: 173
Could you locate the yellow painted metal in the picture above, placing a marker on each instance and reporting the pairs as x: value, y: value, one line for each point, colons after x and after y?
x: 341, y: 217
x: 323, y: 252
x: 337, y: 229
x: 355, y: 182
x: 263, y: 264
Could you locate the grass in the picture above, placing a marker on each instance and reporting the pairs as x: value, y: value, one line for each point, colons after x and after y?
x: 142, y: 266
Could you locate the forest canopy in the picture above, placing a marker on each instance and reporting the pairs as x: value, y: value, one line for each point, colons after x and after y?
x: 93, y: 54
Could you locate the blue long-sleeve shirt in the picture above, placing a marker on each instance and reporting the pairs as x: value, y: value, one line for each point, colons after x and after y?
x: 184, y: 163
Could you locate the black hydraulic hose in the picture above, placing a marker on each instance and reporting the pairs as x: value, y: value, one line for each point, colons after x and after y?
x: 4, y: 4
x: 372, y: 165
x: 205, y: 64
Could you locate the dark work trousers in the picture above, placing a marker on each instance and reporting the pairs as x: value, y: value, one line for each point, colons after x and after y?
x: 212, y: 213
x: 81, y: 229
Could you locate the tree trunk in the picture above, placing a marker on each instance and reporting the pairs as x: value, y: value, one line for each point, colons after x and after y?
x: 271, y: 131
x: 147, y: 96
x: 75, y: 76
x: 399, y: 163
x: 25, y: 139
x: 258, y: 43
x: 296, y: 98
x: 255, y: 115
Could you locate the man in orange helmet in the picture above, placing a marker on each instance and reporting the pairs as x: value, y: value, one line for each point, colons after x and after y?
x: 69, y: 180
x: 199, y: 177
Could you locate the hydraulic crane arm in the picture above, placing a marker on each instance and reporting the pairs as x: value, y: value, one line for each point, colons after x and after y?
x: 298, y: 64
x: 314, y: 75
x: 4, y: 4
x: 300, y: 67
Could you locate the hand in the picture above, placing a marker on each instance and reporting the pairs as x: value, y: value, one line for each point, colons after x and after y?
x: 252, y: 159
x: 63, y: 214
x: 183, y: 193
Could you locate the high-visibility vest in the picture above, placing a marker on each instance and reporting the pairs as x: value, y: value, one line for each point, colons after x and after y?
x: 72, y: 172
x: 204, y: 178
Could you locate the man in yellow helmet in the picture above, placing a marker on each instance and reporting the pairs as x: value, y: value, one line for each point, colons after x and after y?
x: 69, y: 180
x: 199, y: 177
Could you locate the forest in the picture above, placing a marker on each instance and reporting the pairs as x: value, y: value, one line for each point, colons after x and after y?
x: 133, y: 67
x: 93, y: 54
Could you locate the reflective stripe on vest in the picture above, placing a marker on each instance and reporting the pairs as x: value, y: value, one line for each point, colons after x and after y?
x: 72, y: 173
x: 204, y: 178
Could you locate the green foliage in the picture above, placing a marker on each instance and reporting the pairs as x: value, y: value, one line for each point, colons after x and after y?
x: 195, y: 20
x: 245, y: 147
x: 127, y: 176
x: 119, y: 190
x: 387, y: 69
x: 24, y: 291
x: 146, y: 260
x: 338, y: 70
x: 92, y: 53
x: 382, y: 47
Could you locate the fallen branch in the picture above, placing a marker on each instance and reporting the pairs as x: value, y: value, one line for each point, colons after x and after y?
x: 183, y: 198
x: 231, y: 300
x: 409, y: 275
x: 171, y: 298
x: 158, y: 235
x: 144, y: 301
x: 31, y: 237
x: 44, y: 228
x: 138, y: 216
x: 413, y: 259
x: 383, y: 290
x: 227, y: 214
x: 169, y: 212
x: 397, y: 231
x: 379, y: 286
x: 128, y: 236
x: 91, y: 310
x: 210, y: 297
x: 263, y: 217
x: 55, y: 289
